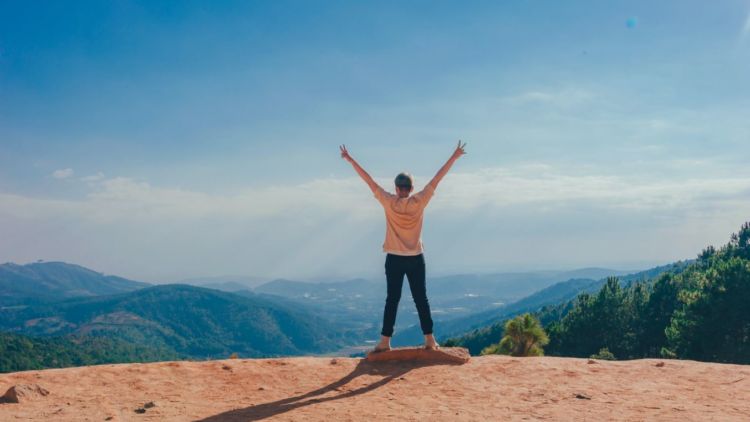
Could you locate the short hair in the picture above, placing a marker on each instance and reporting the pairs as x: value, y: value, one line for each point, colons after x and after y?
x: 404, y: 180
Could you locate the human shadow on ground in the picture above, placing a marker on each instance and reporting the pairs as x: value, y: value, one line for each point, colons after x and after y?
x: 389, y: 371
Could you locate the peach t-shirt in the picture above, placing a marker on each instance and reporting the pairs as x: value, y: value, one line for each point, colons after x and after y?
x: 403, y: 220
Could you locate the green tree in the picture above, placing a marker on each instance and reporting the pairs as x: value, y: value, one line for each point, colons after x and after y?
x: 603, y: 354
x: 655, y: 318
x: 597, y: 321
x: 524, y: 336
x: 714, y: 323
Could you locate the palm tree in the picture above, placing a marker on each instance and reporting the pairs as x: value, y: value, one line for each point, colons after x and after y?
x: 524, y: 336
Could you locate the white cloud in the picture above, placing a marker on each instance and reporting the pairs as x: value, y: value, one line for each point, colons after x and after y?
x: 745, y: 28
x: 93, y: 177
x: 514, y: 215
x: 566, y: 97
x: 62, y: 173
x: 122, y: 199
x: 535, y: 184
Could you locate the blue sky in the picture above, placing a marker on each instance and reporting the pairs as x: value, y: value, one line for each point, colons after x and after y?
x: 161, y: 140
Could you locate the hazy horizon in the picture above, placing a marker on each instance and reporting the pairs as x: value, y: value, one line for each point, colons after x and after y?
x: 251, y: 279
x: 163, y: 141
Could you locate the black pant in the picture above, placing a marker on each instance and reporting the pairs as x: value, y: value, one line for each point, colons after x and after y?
x: 414, y: 268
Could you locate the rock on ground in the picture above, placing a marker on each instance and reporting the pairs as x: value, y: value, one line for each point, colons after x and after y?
x: 441, y: 355
x: 23, y: 392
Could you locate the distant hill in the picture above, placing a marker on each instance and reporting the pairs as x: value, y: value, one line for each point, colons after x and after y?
x: 45, y: 281
x: 225, y: 283
x: 188, y: 320
x: 511, y: 286
x: 450, y: 297
x: 508, y: 287
x: 322, y: 291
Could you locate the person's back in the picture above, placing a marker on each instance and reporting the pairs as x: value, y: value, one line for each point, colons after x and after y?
x: 404, y: 217
x: 403, y: 244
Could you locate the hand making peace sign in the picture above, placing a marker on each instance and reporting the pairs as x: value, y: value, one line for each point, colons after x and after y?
x: 459, y: 150
x: 344, y: 153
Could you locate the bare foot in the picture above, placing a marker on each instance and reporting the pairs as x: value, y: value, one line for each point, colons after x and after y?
x: 383, y: 346
x: 430, y: 343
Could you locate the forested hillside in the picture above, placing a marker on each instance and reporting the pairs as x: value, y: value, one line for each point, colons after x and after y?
x: 487, y: 326
x: 175, y: 320
x: 19, y: 353
x: 698, y: 312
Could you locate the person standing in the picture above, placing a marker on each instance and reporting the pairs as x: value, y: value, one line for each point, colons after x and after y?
x: 403, y: 244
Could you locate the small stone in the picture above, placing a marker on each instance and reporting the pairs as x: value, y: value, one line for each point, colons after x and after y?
x: 226, y: 368
x: 582, y: 397
x: 660, y: 364
x: 149, y: 405
x: 140, y: 410
x: 591, y: 361
x: 23, y: 392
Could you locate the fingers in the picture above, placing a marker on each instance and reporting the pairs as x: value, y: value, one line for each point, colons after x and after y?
x: 459, y: 149
x: 344, y: 153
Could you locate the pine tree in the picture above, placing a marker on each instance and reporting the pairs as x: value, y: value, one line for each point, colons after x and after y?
x: 524, y: 336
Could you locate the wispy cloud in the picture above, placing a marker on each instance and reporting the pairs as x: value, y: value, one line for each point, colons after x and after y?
x: 745, y: 28
x: 93, y: 177
x: 564, y: 215
x: 62, y: 173
x: 541, y: 185
x: 120, y: 198
x: 566, y: 97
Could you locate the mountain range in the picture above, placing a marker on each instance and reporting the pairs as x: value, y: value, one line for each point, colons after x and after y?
x: 190, y: 321
x: 56, y: 300
x: 49, y: 281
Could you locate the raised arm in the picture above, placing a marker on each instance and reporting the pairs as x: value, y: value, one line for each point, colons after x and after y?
x: 447, y: 166
x: 362, y: 173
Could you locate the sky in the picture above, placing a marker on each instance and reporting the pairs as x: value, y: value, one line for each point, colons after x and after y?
x: 167, y: 140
